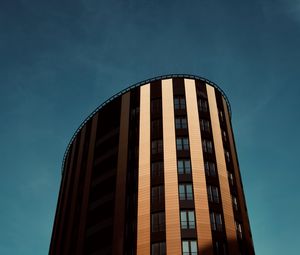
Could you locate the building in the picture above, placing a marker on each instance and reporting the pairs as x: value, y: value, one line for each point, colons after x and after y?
x: 154, y: 170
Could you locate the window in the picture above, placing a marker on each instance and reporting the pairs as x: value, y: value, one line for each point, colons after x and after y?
x: 213, y: 194
x: 157, y: 169
x: 135, y: 112
x: 224, y: 135
x: 185, y: 191
x: 207, y: 146
x: 157, y: 195
x: 156, y: 106
x: 179, y: 103
x: 216, y: 221
x: 220, y: 248
x: 156, y: 146
x: 158, y: 222
x: 187, y: 219
x: 189, y: 247
x: 221, y: 115
x: 181, y: 123
x: 205, y: 125
x: 156, y: 126
x: 230, y: 178
x: 235, y: 203
x: 184, y: 166
x: 227, y: 156
x: 158, y: 248
x: 202, y: 94
x: 182, y: 144
x: 210, y: 168
x: 238, y: 227
x: 202, y: 105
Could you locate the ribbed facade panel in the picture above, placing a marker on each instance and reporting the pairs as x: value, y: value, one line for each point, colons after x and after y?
x: 198, y: 173
x: 120, y: 193
x: 86, y: 188
x: 71, y: 216
x: 173, y: 238
x: 143, y: 217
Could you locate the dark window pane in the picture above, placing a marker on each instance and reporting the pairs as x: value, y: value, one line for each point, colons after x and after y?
x: 156, y: 146
x: 157, y: 169
x: 181, y: 123
x: 158, y: 248
x: 158, y: 222
x: 202, y: 105
x: 179, y: 103
x: 184, y: 166
x: 185, y: 191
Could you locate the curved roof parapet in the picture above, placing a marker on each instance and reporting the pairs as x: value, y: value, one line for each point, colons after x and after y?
x: 162, y: 77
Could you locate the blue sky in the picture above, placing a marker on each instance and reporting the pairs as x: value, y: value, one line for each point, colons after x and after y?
x: 60, y: 59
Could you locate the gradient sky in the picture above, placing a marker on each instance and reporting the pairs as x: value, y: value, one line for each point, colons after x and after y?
x: 60, y: 59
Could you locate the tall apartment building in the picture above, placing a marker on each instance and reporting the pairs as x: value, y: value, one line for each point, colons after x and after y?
x: 154, y: 170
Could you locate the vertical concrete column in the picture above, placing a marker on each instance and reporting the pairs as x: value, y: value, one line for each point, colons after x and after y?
x: 143, y: 217
x: 86, y: 185
x: 65, y: 197
x: 198, y: 172
x: 120, y: 194
x: 74, y: 190
x: 173, y: 237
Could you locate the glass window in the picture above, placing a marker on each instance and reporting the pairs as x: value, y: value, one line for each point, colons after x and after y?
x: 181, y: 123
x: 234, y: 203
x: 238, y: 227
x: 210, y: 168
x: 182, y: 144
x: 230, y: 178
x: 184, y: 166
x: 135, y: 112
x: 213, y: 194
x: 216, y: 221
x: 189, y: 247
x: 203, y: 105
x: 158, y: 248
x: 185, y: 247
x: 156, y: 126
x: 227, y: 156
x: 182, y: 195
x: 157, y: 195
x: 157, y: 169
x: 221, y: 115
x: 156, y: 106
x: 179, y: 103
x: 205, y: 125
x: 207, y: 146
x: 156, y: 146
x: 187, y: 219
x: 185, y: 191
x: 224, y: 135
x: 158, y: 222
x: 220, y: 248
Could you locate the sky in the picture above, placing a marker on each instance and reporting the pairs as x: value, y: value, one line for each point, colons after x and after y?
x: 60, y: 59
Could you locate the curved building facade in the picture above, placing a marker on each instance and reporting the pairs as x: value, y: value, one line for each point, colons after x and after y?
x: 154, y: 170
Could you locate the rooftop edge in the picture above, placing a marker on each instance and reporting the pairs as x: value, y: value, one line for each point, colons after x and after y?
x: 138, y: 84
